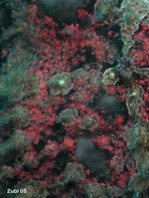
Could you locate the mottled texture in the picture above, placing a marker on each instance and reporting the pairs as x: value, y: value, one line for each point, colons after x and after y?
x: 132, y: 13
x: 73, y: 173
x: 103, y: 10
x: 67, y: 117
x: 33, y: 189
x: 18, y: 142
x: 95, y: 190
x: 60, y: 84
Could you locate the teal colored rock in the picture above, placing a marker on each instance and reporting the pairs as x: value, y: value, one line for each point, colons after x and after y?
x: 62, y: 11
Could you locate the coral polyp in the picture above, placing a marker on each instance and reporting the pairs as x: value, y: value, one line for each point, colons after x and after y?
x: 60, y: 84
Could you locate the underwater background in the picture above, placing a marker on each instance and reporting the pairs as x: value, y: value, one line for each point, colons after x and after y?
x: 74, y: 98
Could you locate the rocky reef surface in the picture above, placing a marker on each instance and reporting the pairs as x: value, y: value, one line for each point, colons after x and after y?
x: 74, y: 98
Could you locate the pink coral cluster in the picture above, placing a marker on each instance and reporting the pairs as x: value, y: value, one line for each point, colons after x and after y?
x: 66, y: 85
x: 70, y: 101
x: 140, y: 51
x: 144, y: 108
x: 80, y: 122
